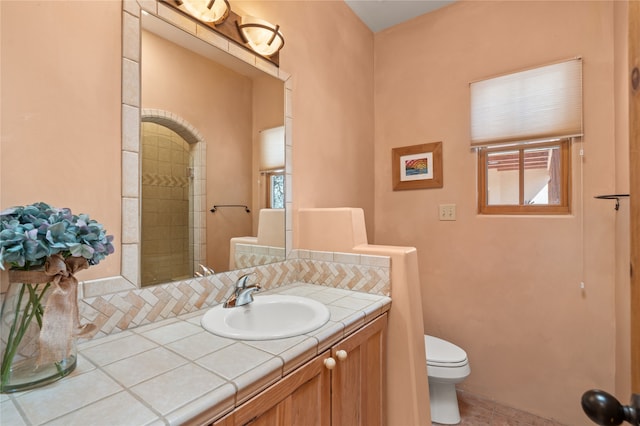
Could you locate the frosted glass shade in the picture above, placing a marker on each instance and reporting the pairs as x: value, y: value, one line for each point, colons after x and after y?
x: 215, y: 11
x: 262, y: 37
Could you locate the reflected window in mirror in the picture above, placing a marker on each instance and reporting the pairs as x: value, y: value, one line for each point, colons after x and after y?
x: 276, y: 190
x: 272, y: 162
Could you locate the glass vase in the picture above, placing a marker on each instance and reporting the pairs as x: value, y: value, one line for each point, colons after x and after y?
x: 21, y: 366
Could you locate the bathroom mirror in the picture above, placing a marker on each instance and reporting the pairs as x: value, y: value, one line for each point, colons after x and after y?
x: 202, y: 127
x: 234, y: 179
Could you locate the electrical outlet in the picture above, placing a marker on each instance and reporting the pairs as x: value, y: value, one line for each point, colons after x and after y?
x: 447, y: 211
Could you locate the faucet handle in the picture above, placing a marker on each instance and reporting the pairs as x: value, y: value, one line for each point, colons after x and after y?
x: 241, y: 297
x: 241, y: 283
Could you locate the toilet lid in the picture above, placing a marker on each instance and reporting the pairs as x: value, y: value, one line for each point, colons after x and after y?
x: 442, y: 352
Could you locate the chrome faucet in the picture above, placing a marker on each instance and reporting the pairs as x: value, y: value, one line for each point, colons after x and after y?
x: 242, y: 295
x: 206, y: 271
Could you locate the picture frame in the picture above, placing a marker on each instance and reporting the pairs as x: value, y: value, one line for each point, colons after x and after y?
x: 417, y: 166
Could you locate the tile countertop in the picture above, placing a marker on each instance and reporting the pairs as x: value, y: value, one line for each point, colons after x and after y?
x: 172, y: 371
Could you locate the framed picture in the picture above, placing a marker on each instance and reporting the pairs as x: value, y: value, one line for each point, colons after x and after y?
x: 417, y: 166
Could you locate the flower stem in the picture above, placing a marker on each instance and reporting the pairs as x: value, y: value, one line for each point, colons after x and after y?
x: 10, y: 350
x: 17, y: 332
x: 37, y: 302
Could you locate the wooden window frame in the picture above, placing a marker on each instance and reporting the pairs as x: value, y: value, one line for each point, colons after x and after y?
x: 526, y: 209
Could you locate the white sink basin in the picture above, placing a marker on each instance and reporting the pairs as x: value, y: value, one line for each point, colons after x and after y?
x: 267, y: 317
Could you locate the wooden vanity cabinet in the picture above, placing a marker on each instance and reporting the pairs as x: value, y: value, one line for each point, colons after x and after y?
x: 344, y: 386
x: 358, y: 380
x: 301, y: 398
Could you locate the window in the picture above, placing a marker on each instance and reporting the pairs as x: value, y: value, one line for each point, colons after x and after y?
x: 525, y: 179
x: 272, y: 159
x: 275, y: 197
x: 522, y: 125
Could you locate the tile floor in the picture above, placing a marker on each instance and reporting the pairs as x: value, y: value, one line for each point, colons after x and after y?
x: 477, y: 411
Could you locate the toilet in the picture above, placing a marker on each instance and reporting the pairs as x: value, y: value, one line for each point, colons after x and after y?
x: 447, y: 365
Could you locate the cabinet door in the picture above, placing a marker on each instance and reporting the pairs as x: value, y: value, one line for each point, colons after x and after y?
x: 301, y: 398
x: 358, y: 380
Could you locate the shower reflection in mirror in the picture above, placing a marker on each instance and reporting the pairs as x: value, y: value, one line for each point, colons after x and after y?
x: 173, y: 189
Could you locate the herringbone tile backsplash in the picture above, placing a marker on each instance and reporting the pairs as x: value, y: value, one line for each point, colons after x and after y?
x: 115, y: 312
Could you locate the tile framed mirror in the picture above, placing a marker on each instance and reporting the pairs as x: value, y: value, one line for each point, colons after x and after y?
x: 143, y: 21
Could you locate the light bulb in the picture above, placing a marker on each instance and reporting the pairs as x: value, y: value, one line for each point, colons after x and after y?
x: 215, y: 11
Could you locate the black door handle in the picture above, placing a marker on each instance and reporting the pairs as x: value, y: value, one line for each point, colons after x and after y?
x: 604, y: 409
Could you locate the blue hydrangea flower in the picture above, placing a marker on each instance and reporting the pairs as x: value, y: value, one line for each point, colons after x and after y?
x: 30, y: 234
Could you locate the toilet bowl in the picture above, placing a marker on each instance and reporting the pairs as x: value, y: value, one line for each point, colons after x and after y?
x: 447, y: 365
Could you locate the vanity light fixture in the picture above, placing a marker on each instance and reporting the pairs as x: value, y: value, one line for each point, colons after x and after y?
x: 262, y: 37
x: 214, y: 11
x: 254, y: 34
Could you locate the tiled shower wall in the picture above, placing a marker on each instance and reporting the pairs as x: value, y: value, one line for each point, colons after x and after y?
x: 167, y: 226
x: 115, y: 312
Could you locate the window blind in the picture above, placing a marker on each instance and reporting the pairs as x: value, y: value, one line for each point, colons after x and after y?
x: 272, y: 149
x: 533, y: 105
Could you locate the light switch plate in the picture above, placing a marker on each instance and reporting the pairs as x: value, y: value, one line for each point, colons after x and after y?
x: 447, y: 211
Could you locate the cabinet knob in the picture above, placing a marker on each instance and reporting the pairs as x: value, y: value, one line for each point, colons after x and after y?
x: 330, y: 363
x: 341, y: 354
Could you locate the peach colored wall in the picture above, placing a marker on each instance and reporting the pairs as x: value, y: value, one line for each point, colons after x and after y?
x: 506, y: 289
x: 217, y: 102
x: 60, y: 124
